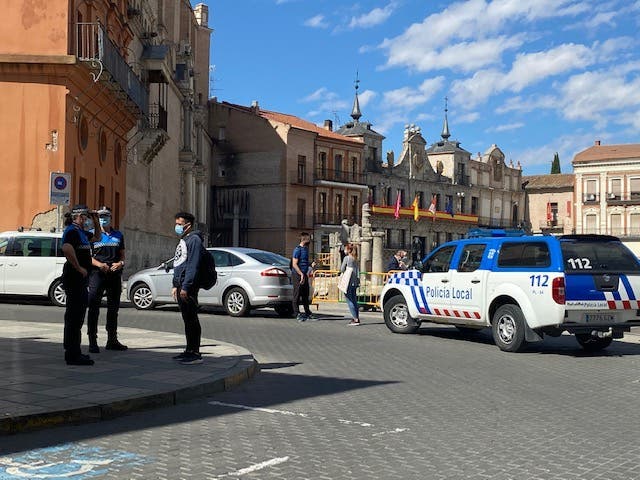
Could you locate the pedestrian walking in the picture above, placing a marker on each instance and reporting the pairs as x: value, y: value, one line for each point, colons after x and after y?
x: 105, y: 276
x: 186, y: 285
x: 351, y: 261
x: 300, y: 277
x: 76, y: 247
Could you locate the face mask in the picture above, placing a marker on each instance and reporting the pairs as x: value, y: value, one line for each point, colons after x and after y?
x: 88, y: 224
x: 179, y: 229
x: 105, y: 221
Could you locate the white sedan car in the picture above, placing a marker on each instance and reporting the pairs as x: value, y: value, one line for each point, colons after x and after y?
x: 247, y: 278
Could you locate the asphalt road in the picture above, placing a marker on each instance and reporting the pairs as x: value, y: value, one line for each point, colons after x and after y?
x: 339, y: 402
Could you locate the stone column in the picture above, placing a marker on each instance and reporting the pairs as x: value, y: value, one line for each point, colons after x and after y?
x: 366, y: 241
x: 335, y: 243
x: 377, y: 259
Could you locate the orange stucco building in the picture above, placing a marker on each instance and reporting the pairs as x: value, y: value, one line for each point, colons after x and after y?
x: 68, y: 100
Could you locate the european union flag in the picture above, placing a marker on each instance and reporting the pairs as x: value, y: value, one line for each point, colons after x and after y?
x: 449, y: 207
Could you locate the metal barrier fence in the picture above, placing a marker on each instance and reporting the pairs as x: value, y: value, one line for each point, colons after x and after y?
x: 325, y: 287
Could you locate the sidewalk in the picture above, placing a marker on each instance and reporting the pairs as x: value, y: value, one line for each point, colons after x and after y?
x: 38, y: 390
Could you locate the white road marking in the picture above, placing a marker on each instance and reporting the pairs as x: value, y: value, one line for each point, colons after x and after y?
x: 256, y: 467
x: 305, y: 415
x: 259, y: 409
x: 395, y: 430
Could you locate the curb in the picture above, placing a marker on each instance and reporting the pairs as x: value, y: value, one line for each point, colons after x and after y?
x: 246, y: 367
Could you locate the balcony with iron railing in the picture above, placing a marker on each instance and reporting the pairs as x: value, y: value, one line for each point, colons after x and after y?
x: 590, y: 198
x: 157, y: 117
x: 94, y: 48
x: 339, y: 176
x: 617, y: 198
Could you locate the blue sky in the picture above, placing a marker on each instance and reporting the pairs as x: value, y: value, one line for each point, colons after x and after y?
x: 534, y: 77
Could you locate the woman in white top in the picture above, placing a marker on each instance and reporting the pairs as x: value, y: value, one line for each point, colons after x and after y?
x: 351, y: 260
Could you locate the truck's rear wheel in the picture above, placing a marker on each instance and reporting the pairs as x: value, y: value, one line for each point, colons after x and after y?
x: 508, y: 328
x: 397, y: 318
x: 593, y: 344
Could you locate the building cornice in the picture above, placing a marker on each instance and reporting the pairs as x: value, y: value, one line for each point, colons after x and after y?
x: 45, y: 59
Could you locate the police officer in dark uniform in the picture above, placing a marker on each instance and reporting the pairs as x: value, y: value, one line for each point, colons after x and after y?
x: 106, y: 275
x: 77, y: 250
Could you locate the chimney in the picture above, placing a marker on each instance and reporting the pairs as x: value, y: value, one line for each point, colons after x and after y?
x: 328, y: 125
x: 597, y: 143
x: 255, y: 107
x: 201, y: 12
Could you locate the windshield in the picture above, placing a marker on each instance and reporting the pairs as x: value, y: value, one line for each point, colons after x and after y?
x: 269, y: 258
x: 590, y: 257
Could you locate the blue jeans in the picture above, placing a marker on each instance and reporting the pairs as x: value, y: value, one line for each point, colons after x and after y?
x: 352, y: 302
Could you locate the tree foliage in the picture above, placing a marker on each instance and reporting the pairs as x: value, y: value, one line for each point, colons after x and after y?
x: 555, y: 166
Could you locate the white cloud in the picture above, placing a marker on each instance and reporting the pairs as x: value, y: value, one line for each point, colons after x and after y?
x: 468, y: 117
x: 322, y: 93
x: 506, y: 127
x: 467, y: 23
x: 373, y: 18
x: 590, y: 95
x: 365, y: 97
x: 527, y: 69
x: 528, y: 104
x: 317, y: 21
x: 409, y: 97
x: 530, y: 68
x: 602, y: 18
x: 327, y: 101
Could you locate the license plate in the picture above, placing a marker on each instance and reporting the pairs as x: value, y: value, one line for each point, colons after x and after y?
x: 599, y: 318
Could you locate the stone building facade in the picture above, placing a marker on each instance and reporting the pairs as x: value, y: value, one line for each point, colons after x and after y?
x: 466, y: 192
x: 69, y: 100
x: 550, y: 203
x: 112, y: 92
x: 169, y: 153
x: 277, y: 175
x: 607, y: 190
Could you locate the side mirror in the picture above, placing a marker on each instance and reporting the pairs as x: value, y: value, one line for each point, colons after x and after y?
x: 166, y: 266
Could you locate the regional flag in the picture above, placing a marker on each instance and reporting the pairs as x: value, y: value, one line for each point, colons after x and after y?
x: 396, y: 213
x: 416, y: 211
x: 432, y: 207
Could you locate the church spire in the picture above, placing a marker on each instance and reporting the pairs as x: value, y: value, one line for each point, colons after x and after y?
x: 355, y: 112
x: 445, y: 127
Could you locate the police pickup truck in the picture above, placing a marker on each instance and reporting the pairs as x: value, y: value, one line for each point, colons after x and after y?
x: 522, y: 287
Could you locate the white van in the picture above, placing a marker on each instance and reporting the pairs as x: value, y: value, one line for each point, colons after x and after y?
x: 31, y: 264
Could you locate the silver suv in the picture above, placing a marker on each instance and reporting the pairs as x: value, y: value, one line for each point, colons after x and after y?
x: 31, y: 264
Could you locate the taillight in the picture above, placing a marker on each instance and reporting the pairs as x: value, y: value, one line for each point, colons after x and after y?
x: 273, y: 272
x: 557, y: 290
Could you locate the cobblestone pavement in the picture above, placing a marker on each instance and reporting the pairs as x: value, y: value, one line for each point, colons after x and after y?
x: 338, y: 402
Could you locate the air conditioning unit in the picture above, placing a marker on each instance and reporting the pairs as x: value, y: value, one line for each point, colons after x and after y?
x: 591, y: 197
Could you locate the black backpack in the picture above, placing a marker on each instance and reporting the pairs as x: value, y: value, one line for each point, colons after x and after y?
x: 207, y: 270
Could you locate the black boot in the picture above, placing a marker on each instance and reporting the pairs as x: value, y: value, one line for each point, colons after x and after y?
x: 93, y: 345
x: 114, y: 344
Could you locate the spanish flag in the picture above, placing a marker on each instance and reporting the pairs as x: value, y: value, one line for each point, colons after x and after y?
x: 416, y: 211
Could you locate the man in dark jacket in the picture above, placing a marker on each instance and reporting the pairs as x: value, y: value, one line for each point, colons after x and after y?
x: 185, y: 284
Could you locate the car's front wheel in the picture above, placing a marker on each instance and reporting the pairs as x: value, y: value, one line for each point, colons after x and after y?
x: 142, y: 297
x: 509, y: 328
x: 236, y: 302
x: 592, y: 344
x: 396, y: 316
x: 57, y: 295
